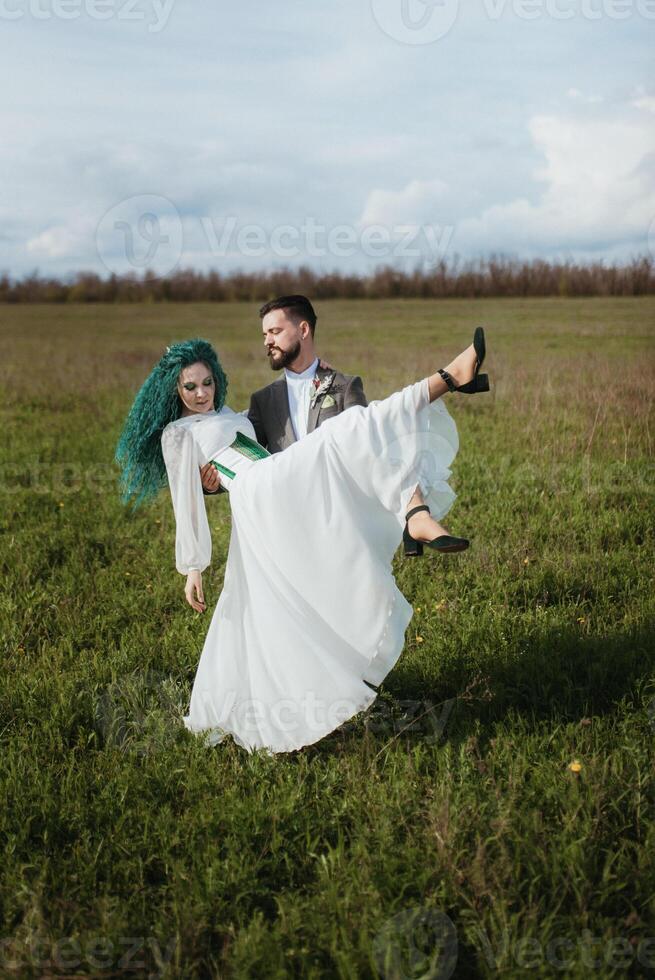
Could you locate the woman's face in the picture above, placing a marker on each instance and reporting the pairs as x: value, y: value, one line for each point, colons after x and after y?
x: 196, y: 388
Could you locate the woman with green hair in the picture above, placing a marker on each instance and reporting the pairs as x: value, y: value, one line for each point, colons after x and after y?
x: 310, y: 619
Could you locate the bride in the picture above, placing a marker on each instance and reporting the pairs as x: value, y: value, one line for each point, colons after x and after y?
x: 310, y: 619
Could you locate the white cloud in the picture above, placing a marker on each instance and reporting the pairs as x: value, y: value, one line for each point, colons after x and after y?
x: 415, y: 204
x: 599, y: 192
x: 65, y: 241
x: 578, y: 96
x: 643, y: 99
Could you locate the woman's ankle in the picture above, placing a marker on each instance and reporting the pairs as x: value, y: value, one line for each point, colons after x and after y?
x: 461, y: 369
x: 424, y: 527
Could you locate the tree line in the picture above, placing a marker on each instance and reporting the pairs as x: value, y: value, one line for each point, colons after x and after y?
x: 495, y: 277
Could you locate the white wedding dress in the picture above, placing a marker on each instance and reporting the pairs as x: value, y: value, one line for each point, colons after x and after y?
x: 310, y: 610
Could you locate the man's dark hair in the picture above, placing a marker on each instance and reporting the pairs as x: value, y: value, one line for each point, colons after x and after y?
x: 297, y: 307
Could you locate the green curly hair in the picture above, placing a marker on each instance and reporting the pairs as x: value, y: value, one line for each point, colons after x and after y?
x: 143, y: 471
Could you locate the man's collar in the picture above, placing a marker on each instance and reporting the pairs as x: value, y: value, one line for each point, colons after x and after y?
x: 305, y: 375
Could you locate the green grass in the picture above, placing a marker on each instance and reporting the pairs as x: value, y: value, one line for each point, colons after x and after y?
x: 454, y: 796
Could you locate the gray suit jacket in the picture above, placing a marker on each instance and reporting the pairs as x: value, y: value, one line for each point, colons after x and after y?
x: 269, y: 407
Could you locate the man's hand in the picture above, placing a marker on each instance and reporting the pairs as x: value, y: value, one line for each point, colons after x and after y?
x: 193, y: 591
x: 209, y: 478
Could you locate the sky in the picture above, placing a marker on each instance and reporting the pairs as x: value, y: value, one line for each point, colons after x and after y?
x: 161, y: 134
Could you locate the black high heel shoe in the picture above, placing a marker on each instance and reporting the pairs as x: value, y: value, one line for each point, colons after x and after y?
x: 479, y: 382
x: 444, y: 542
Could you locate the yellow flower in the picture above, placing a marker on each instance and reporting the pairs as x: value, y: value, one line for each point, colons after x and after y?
x: 418, y: 609
x: 575, y: 766
x: 419, y: 639
x: 61, y: 503
x: 526, y: 561
x: 581, y: 619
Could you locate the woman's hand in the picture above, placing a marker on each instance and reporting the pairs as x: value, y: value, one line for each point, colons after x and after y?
x: 193, y: 591
x: 209, y: 478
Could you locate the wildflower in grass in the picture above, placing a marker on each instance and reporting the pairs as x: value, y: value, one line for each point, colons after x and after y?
x: 419, y: 639
x: 575, y: 766
x: 526, y: 561
x: 581, y: 619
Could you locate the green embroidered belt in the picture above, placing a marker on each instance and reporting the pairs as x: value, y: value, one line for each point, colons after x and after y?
x: 247, y: 447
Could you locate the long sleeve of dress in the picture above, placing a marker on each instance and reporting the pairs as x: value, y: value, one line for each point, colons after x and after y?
x: 193, y: 545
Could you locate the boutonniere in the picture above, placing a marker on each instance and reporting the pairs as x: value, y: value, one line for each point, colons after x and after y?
x: 320, y: 387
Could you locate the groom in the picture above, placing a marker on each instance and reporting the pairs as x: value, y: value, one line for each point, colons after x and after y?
x: 306, y: 395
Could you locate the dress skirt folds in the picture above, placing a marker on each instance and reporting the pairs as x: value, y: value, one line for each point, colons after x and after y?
x: 310, y: 610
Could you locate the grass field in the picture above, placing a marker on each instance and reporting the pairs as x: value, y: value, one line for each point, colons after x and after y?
x: 444, y: 834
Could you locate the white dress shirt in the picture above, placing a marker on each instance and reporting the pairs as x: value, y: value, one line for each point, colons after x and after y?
x: 299, y: 392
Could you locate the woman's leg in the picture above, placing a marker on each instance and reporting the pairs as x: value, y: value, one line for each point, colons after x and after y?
x: 461, y: 370
x: 422, y: 526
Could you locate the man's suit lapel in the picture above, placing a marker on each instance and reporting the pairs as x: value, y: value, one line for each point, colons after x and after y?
x: 315, y: 409
x: 281, y: 406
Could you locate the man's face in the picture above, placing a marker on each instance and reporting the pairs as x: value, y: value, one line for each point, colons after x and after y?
x: 283, y: 338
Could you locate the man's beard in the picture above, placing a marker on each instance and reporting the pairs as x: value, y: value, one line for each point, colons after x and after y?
x: 284, y: 358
